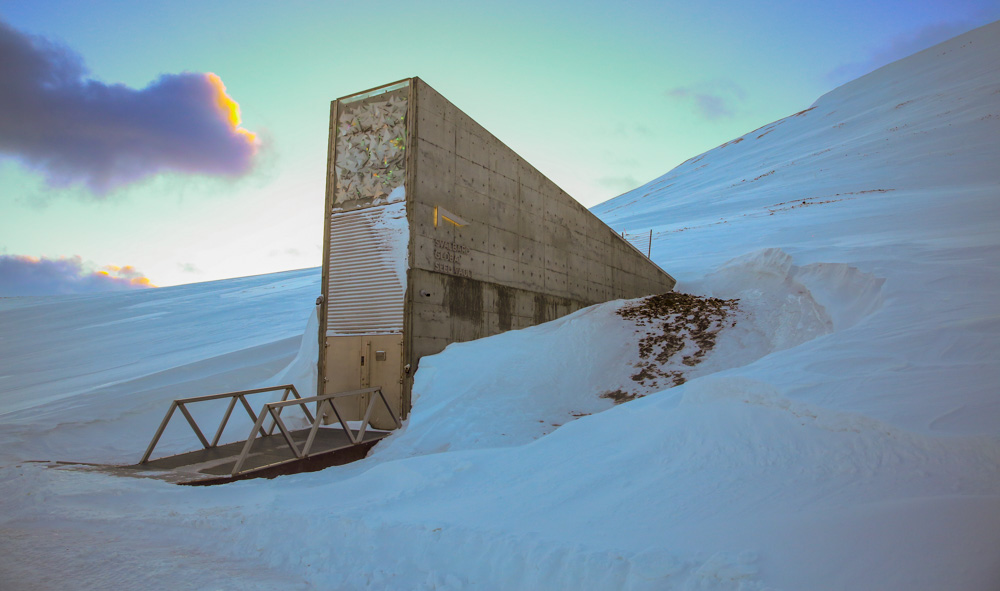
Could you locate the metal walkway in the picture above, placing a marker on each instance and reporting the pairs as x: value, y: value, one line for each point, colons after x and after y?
x: 263, y: 449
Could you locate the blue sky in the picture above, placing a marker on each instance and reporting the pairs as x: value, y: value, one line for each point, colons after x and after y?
x: 601, y: 97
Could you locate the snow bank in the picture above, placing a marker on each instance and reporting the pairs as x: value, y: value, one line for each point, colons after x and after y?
x: 302, y: 371
x: 518, y: 386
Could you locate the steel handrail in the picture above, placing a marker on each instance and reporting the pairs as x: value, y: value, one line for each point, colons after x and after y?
x: 324, y: 397
x: 239, y: 395
x: 274, y: 410
x: 236, y: 393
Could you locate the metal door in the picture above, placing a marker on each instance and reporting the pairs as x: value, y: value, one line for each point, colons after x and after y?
x: 363, y: 361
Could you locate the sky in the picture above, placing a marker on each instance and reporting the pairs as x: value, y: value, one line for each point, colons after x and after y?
x: 186, y: 141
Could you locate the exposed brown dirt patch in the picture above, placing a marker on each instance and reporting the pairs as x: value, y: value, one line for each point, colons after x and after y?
x: 680, y: 330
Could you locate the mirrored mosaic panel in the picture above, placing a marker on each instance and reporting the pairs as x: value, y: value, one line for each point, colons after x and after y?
x: 371, y: 147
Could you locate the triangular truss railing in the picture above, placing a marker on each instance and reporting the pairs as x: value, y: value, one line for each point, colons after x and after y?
x: 273, y: 409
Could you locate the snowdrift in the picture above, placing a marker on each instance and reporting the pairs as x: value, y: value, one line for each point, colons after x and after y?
x: 842, y: 432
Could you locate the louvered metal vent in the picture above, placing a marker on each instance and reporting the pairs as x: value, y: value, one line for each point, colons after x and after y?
x: 366, y: 296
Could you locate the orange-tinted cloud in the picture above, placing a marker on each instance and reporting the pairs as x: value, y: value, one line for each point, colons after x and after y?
x: 22, y: 275
x: 229, y: 108
x: 140, y: 282
x: 79, y: 131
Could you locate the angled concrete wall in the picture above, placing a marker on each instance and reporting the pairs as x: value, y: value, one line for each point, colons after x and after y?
x: 529, y: 253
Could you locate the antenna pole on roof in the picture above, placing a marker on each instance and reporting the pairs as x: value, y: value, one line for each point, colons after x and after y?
x: 649, y: 252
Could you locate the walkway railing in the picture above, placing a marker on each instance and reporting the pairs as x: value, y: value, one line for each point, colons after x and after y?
x: 274, y: 410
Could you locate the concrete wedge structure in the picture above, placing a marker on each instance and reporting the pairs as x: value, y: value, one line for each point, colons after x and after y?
x: 437, y: 232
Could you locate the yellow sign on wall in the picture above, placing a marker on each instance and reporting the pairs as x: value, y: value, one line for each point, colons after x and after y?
x: 442, y: 214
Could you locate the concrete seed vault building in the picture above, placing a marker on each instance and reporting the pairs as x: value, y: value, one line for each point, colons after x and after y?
x: 437, y: 232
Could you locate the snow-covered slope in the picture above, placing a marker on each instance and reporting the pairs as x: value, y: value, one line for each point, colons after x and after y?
x: 911, y: 147
x: 843, y: 433
x: 90, y: 373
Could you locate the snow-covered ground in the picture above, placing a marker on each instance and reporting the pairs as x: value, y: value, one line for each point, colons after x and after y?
x: 842, y: 433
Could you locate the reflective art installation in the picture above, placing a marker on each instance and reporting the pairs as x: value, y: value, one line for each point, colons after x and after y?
x: 371, y: 147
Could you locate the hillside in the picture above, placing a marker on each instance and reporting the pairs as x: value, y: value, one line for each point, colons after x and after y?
x: 840, y: 432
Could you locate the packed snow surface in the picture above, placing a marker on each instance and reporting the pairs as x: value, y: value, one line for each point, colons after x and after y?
x: 843, y: 431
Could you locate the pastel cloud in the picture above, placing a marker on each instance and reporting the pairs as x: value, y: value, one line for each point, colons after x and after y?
x: 22, y: 275
x: 713, y: 100
x: 79, y: 131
